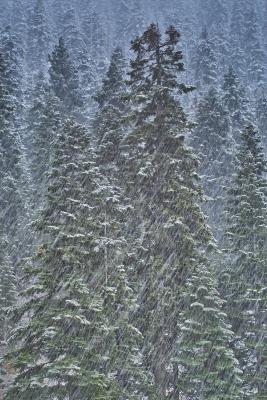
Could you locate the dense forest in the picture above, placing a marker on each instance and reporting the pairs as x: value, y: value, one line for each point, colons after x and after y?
x: 133, y: 199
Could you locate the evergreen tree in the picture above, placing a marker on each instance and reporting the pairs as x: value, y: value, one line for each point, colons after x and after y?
x: 244, y: 280
x: 64, y: 78
x: 111, y: 105
x: 13, y: 56
x: 43, y: 121
x: 38, y: 37
x: 204, y: 362
x: 83, y: 342
x: 159, y: 174
x: 7, y: 292
x: 213, y: 143
x: 11, y: 202
x: 59, y: 349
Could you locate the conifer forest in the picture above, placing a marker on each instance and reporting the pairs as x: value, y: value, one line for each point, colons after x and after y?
x: 133, y: 199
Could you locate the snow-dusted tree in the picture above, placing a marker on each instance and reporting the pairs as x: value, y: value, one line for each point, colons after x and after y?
x: 13, y: 55
x: 8, y: 291
x: 64, y: 79
x: 235, y: 101
x: 244, y: 279
x: 38, y: 37
x: 79, y: 341
x: 261, y: 115
x: 204, y: 62
x: 111, y: 105
x: 43, y: 121
x: 159, y: 174
x: 59, y: 348
x: 212, y: 142
x: 11, y: 204
x: 203, y: 360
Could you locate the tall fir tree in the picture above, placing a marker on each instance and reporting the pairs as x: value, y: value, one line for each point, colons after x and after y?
x: 64, y: 312
x: 159, y: 174
x: 8, y: 293
x: 13, y: 55
x: 42, y: 123
x: 11, y: 201
x: 244, y: 278
x: 83, y: 343
x: 111, y: 104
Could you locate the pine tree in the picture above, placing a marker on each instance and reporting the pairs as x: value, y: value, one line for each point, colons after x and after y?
x: 111, y: 105
x: 83, y: 343
x: 159, y: 174
x: 13, y: 56
x: 113, y: 208
x: 205, y: 365
x: 11, y: 202
x: 64, y: 78
x: 213, y: 142
x: 8, y: 292
x: 244, y: 278
x: 234, y: 100
x: 38, y: 37
x: 43, y: 121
